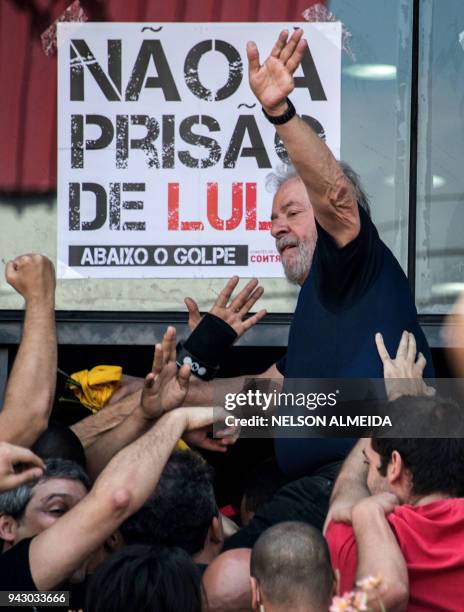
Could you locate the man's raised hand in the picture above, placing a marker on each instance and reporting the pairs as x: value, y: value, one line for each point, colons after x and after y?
x: 272, y: 81
x: 233, y: 314
x: 33, y: 277
x: 165, y: 387
x: 403, y: 374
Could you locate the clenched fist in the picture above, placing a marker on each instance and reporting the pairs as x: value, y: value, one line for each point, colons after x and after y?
x: 33, y: 277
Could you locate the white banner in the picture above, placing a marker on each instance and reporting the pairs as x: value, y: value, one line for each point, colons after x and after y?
x: 163, y: 151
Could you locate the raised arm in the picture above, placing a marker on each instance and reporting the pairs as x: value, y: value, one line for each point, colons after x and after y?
x: 331, y: 194
x: 232, y: 310
x: 121, y: 489
x: 31, y: 387
x: 379, y: 554
x: 165, y: 389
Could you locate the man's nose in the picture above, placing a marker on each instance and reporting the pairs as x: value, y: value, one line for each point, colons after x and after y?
x: 279, y: 228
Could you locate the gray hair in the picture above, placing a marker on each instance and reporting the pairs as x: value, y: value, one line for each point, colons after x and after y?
x: 286, y: 172
x: 14, y: 502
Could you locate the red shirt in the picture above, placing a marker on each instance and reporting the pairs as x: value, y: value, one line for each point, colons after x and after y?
x: 431, y: 538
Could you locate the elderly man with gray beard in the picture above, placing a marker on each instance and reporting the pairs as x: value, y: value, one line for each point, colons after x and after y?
x: 351, y: 285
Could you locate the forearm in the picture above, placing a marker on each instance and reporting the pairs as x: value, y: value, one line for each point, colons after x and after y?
x: 332, y: 195
x: 120, y: 490
x: 113, y: 440
x: 312, y: 158
x: 209, y: 393
x: 202, y: 393
x: 379, y: 555
x: 31, y: 387
x: 137, y: 467
x: 100, y: 425
x: 351, y: 484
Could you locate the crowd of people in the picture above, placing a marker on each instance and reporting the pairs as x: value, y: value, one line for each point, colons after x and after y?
x: 120, y: 514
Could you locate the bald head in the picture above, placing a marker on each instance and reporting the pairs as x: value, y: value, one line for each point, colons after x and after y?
x: 291, y: 566
x: 226, y: 582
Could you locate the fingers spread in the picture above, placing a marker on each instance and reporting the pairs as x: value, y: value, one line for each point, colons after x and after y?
x: 403, y: 345
x: 254, y: 297
x: 242, y: 297
x: 384, y: 356
x: 295, y: 60
x: 254, y: 319
x: 225, y: 294
x: 169, y: 345
x: 412, y: 348
x: 253, y: 57
x: 157, y: 359
x: 290, y: 47
x: 280, y: 44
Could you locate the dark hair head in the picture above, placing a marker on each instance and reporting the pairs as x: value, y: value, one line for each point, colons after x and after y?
x: 14, y: 502
x: 180, y: 511
x: 58, y: 441
x: 421, y: 416
x: 291, y: 563
x: 145, y: 579
x: 436, y: 464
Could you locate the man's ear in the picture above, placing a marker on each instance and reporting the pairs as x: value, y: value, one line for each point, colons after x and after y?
x: 395, y: 471
x: 8, y: 529
x: 216, y: 533
x: 255, y: 594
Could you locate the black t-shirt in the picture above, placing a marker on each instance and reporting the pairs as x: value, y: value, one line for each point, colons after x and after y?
x: 350, y: 294
x: 15, y: 575
x: 15, y: 571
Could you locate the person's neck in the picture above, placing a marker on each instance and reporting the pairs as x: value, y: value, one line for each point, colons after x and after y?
x: 267, y: 607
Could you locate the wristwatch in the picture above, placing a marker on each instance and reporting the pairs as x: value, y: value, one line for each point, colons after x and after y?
x: 281, y: 119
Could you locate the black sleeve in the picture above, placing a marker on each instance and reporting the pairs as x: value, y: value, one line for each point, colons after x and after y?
x: 15, y: 570
x: 343, y: 275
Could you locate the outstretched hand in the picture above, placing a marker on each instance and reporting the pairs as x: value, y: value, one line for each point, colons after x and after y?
x: 403, y: 374
x: 165, y: 387
x: 272, y: 81
x: 234, y: 313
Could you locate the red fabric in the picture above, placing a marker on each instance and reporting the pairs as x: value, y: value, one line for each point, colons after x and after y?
x: 28, y: 76
x: 431, y: 538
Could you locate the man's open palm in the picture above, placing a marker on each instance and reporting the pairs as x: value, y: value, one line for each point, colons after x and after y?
x: 272, y: 81
x: 165, y: 387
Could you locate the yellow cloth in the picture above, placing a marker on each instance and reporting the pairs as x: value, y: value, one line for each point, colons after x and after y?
x: 96, y: 386
x: 182, y: 446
